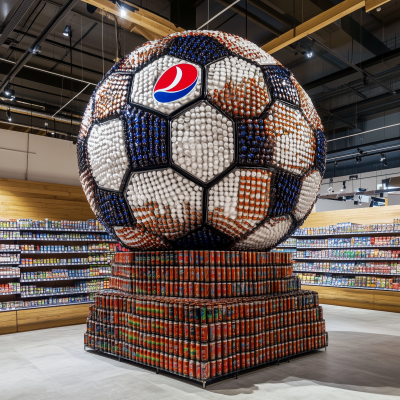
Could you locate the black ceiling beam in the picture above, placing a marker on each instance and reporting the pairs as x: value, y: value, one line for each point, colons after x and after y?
x: 355, y: 147
x: 65, y: 46
x: 354, y: 66
x: 250, y: 16
x: 355, y: 30
x: 272, y: 12
x: 51, y: 59
x: 61, y: 13
x: 58, y: 95
x: 360, y: 104
x: 349, y: 71
x: 332, y: 115
x: 76, y: 44
x: 47, y: 79
x: 16, y: 14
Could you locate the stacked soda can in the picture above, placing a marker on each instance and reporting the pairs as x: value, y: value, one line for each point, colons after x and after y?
x: 205, y: 274
x: 205, y: 337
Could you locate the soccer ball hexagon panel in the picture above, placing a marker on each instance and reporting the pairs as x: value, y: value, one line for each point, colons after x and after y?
x: 200, y: 140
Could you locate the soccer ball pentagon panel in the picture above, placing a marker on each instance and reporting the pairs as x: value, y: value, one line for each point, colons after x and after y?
x: 200, y: 140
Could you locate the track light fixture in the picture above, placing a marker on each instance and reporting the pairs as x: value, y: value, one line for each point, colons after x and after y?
x: 67, y: 31
x: 360, y: 151
x: 8, y: 113
x: 344, y: 186
x: 330, y: 189
x: 9, y: 93
x: 309, y: 53
x: 358, y: 159
x: 335, y: 164
x: 35, y: 50
x: 384, y: 162
x: 383, y: 157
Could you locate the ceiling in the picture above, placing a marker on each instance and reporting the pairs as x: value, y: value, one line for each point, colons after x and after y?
x: 349, y: 101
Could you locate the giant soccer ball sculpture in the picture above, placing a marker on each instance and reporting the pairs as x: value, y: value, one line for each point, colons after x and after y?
x: 200, y: 140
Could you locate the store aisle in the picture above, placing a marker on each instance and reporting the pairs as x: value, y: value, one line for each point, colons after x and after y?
x: 362, y: 362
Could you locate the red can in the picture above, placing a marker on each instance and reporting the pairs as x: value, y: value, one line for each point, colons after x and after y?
x: 198, y: 351
x: 185, y: 367
x: 218, y: 349
x: 205, y: 370
x: 197, y: 289
x: 213, y: 369
x: 211, y: 332
x: 212, y: 350
x: 204, y: 352
x: 198, y: 370
x: 225, y: 365
x: 218, y: 333
x: 180, y: 365
x: 204, y: 333
x: 192, y: 368
x: 219, y: 367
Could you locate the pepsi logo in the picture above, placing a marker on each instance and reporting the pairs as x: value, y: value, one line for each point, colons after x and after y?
x: 175, y: 83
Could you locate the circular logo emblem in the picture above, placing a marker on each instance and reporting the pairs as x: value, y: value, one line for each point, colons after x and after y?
x: 175, y: 83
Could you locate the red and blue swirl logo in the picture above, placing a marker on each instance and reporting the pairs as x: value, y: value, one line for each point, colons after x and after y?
x: 175, y: 83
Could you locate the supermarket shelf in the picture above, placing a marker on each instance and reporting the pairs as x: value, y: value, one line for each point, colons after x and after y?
x: 10, y: 250
x: 72, y: 278
x: 8, y: 263
x: 347, y: 272
x: 56, y: 294
x: 383, y: 233
x: 60, y: 240
x: 393, y: 246
x: 9, y: 293
x: 66, y: 252
x: 46, y: 306
x: 65, y: 265
x: 53, y: 230
x: 9, y: 276
x: 365, y: 259
x: 350, y: 287
x: 286, y: 247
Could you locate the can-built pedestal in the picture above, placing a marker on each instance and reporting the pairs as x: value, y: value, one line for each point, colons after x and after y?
x: 205, y: 315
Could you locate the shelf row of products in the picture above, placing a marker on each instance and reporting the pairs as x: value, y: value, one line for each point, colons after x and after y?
x: 65, y: 273
x: 10, y: 288
x: 46, y: 302
x: 9, y: 271
x: 349, y: 227
x: 90, y: 225
x: 74, y: 276
x: 9, y: 258
x: 357, y: 241
x: 109, y: 247
x: 346, y: 254
x: 389, y: 268
x: 345, y: 281
x: 17, y: 235
x: 80, y: 286
x: 102, y: 258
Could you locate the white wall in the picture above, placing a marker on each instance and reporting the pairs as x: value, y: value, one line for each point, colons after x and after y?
x: 44, y: 159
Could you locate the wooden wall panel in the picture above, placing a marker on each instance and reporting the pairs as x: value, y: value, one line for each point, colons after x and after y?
x: 359, y: 298
x: 39, y: 200
x: 370, y: 215
x: 8, y: 322
x: 42, y: 318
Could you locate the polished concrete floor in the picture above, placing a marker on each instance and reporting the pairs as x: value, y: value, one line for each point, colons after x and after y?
x: 362, y: 362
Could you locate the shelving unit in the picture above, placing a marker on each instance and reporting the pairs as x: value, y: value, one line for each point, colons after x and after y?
x: 21, y: 300
x: 356, y: 248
